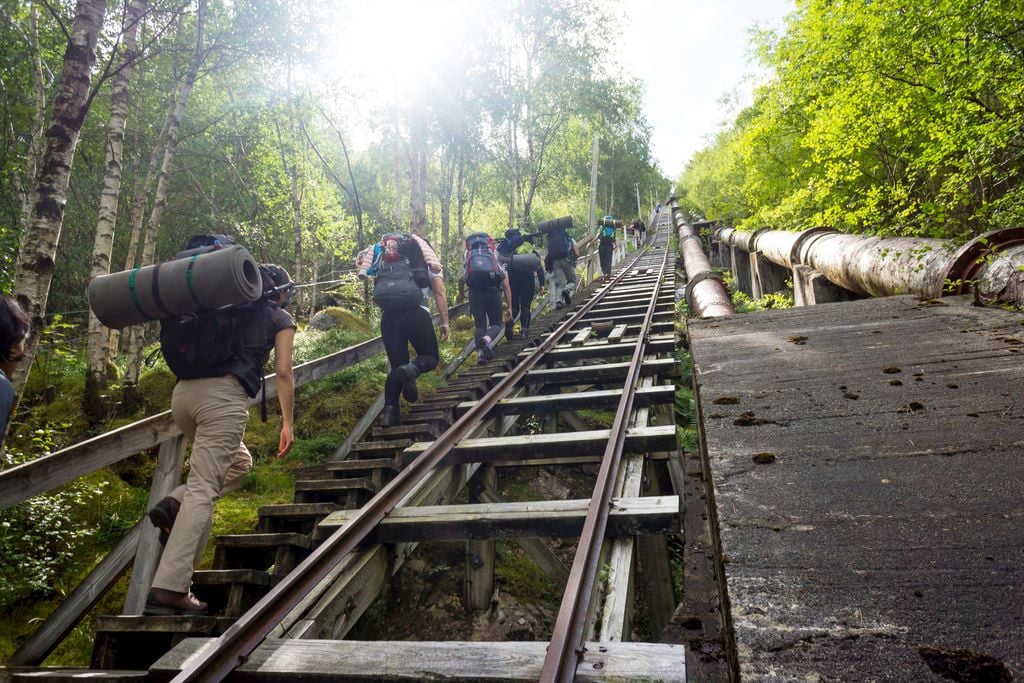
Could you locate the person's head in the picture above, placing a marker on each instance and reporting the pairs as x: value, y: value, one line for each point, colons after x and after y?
x: 14, y: 330
x: 280, y: 281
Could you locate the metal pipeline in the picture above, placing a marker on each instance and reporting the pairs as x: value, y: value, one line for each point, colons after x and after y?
x: 705, y: 292
x: 886, y: 266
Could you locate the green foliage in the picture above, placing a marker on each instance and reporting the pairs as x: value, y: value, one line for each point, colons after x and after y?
x: 884, y: 117
x: 39, y: 538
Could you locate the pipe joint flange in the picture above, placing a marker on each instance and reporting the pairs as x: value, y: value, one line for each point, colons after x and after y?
x: 806, y: 236
x: 697, y: 279
x: 963, y: 268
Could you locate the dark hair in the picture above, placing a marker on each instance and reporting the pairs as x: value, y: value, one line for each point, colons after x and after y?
x: 14, y: 325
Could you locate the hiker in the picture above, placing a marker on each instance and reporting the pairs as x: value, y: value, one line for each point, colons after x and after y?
x: 210, y: 404
x: 486, y: 281
x: 560, y: 261
x: 404, y: 266
x: 525, y: 280
x: 641, y: 230
x: 606, y: 245
x: 14, y: 332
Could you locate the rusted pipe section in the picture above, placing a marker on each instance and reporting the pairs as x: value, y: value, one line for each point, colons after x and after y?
x: 886, y: 266
x: 705, y: 292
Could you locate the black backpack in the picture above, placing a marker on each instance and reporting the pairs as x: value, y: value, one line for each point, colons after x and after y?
x: 559, y: 244
x: 512, y: 241
x: 398, y: 285
x: 482, y: 267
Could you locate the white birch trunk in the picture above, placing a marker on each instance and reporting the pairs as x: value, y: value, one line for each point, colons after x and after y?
x: 163, y: 179
x: 34, y: 270
x: 98, y: 336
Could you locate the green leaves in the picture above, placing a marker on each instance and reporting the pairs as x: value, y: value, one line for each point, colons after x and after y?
x: 885, y: 117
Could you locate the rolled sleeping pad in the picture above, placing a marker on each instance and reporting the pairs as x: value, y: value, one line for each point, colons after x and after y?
x: 524, y: 262
x: 173, y: 288
x: 611, y: 224
x: 554, y: 225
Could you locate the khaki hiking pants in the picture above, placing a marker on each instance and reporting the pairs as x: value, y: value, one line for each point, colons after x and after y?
x: 212, y: 413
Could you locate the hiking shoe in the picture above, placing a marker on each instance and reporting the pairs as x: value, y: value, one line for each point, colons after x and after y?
x: 164, y: 602
x: 566, y: 297
x: 408, y: 374
x: 486, y: 348
x: 391, y: 416
x: 163, y: 515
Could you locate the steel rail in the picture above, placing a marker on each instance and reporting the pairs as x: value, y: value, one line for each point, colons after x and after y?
x: 218, y: 659
x: 566, y: 647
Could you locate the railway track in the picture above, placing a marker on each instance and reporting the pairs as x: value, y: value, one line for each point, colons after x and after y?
x: 284, y: 598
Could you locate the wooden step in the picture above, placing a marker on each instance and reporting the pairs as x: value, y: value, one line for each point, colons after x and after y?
x: 230, y: 592
x: 279, y: 552
x: 135, y: 642
x: 379, y: 448
x: 417, y: 432
x: 294, y: 517
x: 60, y: 674
x: 350, y: 467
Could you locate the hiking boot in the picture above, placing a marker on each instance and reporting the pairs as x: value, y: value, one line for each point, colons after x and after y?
x: 391, y: 416
x: 163, y: 515
x: 408, y: 374
x: 164, y: 602
x: 488, y: 351
x: 566, y: 297
x: 508, y: 330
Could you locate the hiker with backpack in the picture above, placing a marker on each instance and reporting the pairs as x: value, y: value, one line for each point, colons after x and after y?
x: 14, y: 332
x: 525, y: 278
x: 487, y: 282
x: 404, y: 266
x: 560, y: 261
x: 606, y: 245
x: 218, y: 358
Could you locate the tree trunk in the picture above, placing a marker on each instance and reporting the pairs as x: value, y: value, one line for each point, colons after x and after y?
x: 97, y: 373
x: 35, y: 144
x: 173, y: 125
x: 34, y: 270
x: 418, y: 174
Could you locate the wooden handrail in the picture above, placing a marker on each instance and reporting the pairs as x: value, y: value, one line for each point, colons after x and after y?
x: 55, y: 469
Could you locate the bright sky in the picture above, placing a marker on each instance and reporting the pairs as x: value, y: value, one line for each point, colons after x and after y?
x: 690, y: 53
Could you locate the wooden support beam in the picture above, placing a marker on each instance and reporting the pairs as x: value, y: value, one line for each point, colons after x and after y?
x: 573, y: 444
x: 169, y: 462
x: 339, y: 660
x: 616, y: 335
x: 533, y: 546
x: 583, y: 399
x: 581, y: 336
x: 479, y: 577
x: 656, y: 570
x: 537, y: 519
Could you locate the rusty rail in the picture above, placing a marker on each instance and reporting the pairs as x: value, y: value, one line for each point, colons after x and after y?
x: 566, y: 648
x: 218, y: 660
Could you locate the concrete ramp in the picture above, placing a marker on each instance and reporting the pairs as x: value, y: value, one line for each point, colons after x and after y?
x: 867, y: 461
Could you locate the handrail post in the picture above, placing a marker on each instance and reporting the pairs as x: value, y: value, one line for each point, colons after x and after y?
x: 169, y: 462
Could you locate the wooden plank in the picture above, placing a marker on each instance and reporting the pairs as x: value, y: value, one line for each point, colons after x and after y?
x: 285, y: 660
x: 533, y: 546
x: 549, y: 403
x: 581, y: 336
x: 615, y: 337
x: 71, y: 610
x: 167, y: 475
x: 604, y: 351
x: 591, y: 374
x: 538, y: 519
x: 59, y: 674
x: 617, y: 613
x: 496, y: 449
x: 349, y: 590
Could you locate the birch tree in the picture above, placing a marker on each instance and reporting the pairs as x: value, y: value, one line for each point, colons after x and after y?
x: 34, y: 270
x: 98, y: 371
x: 152, y: 227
